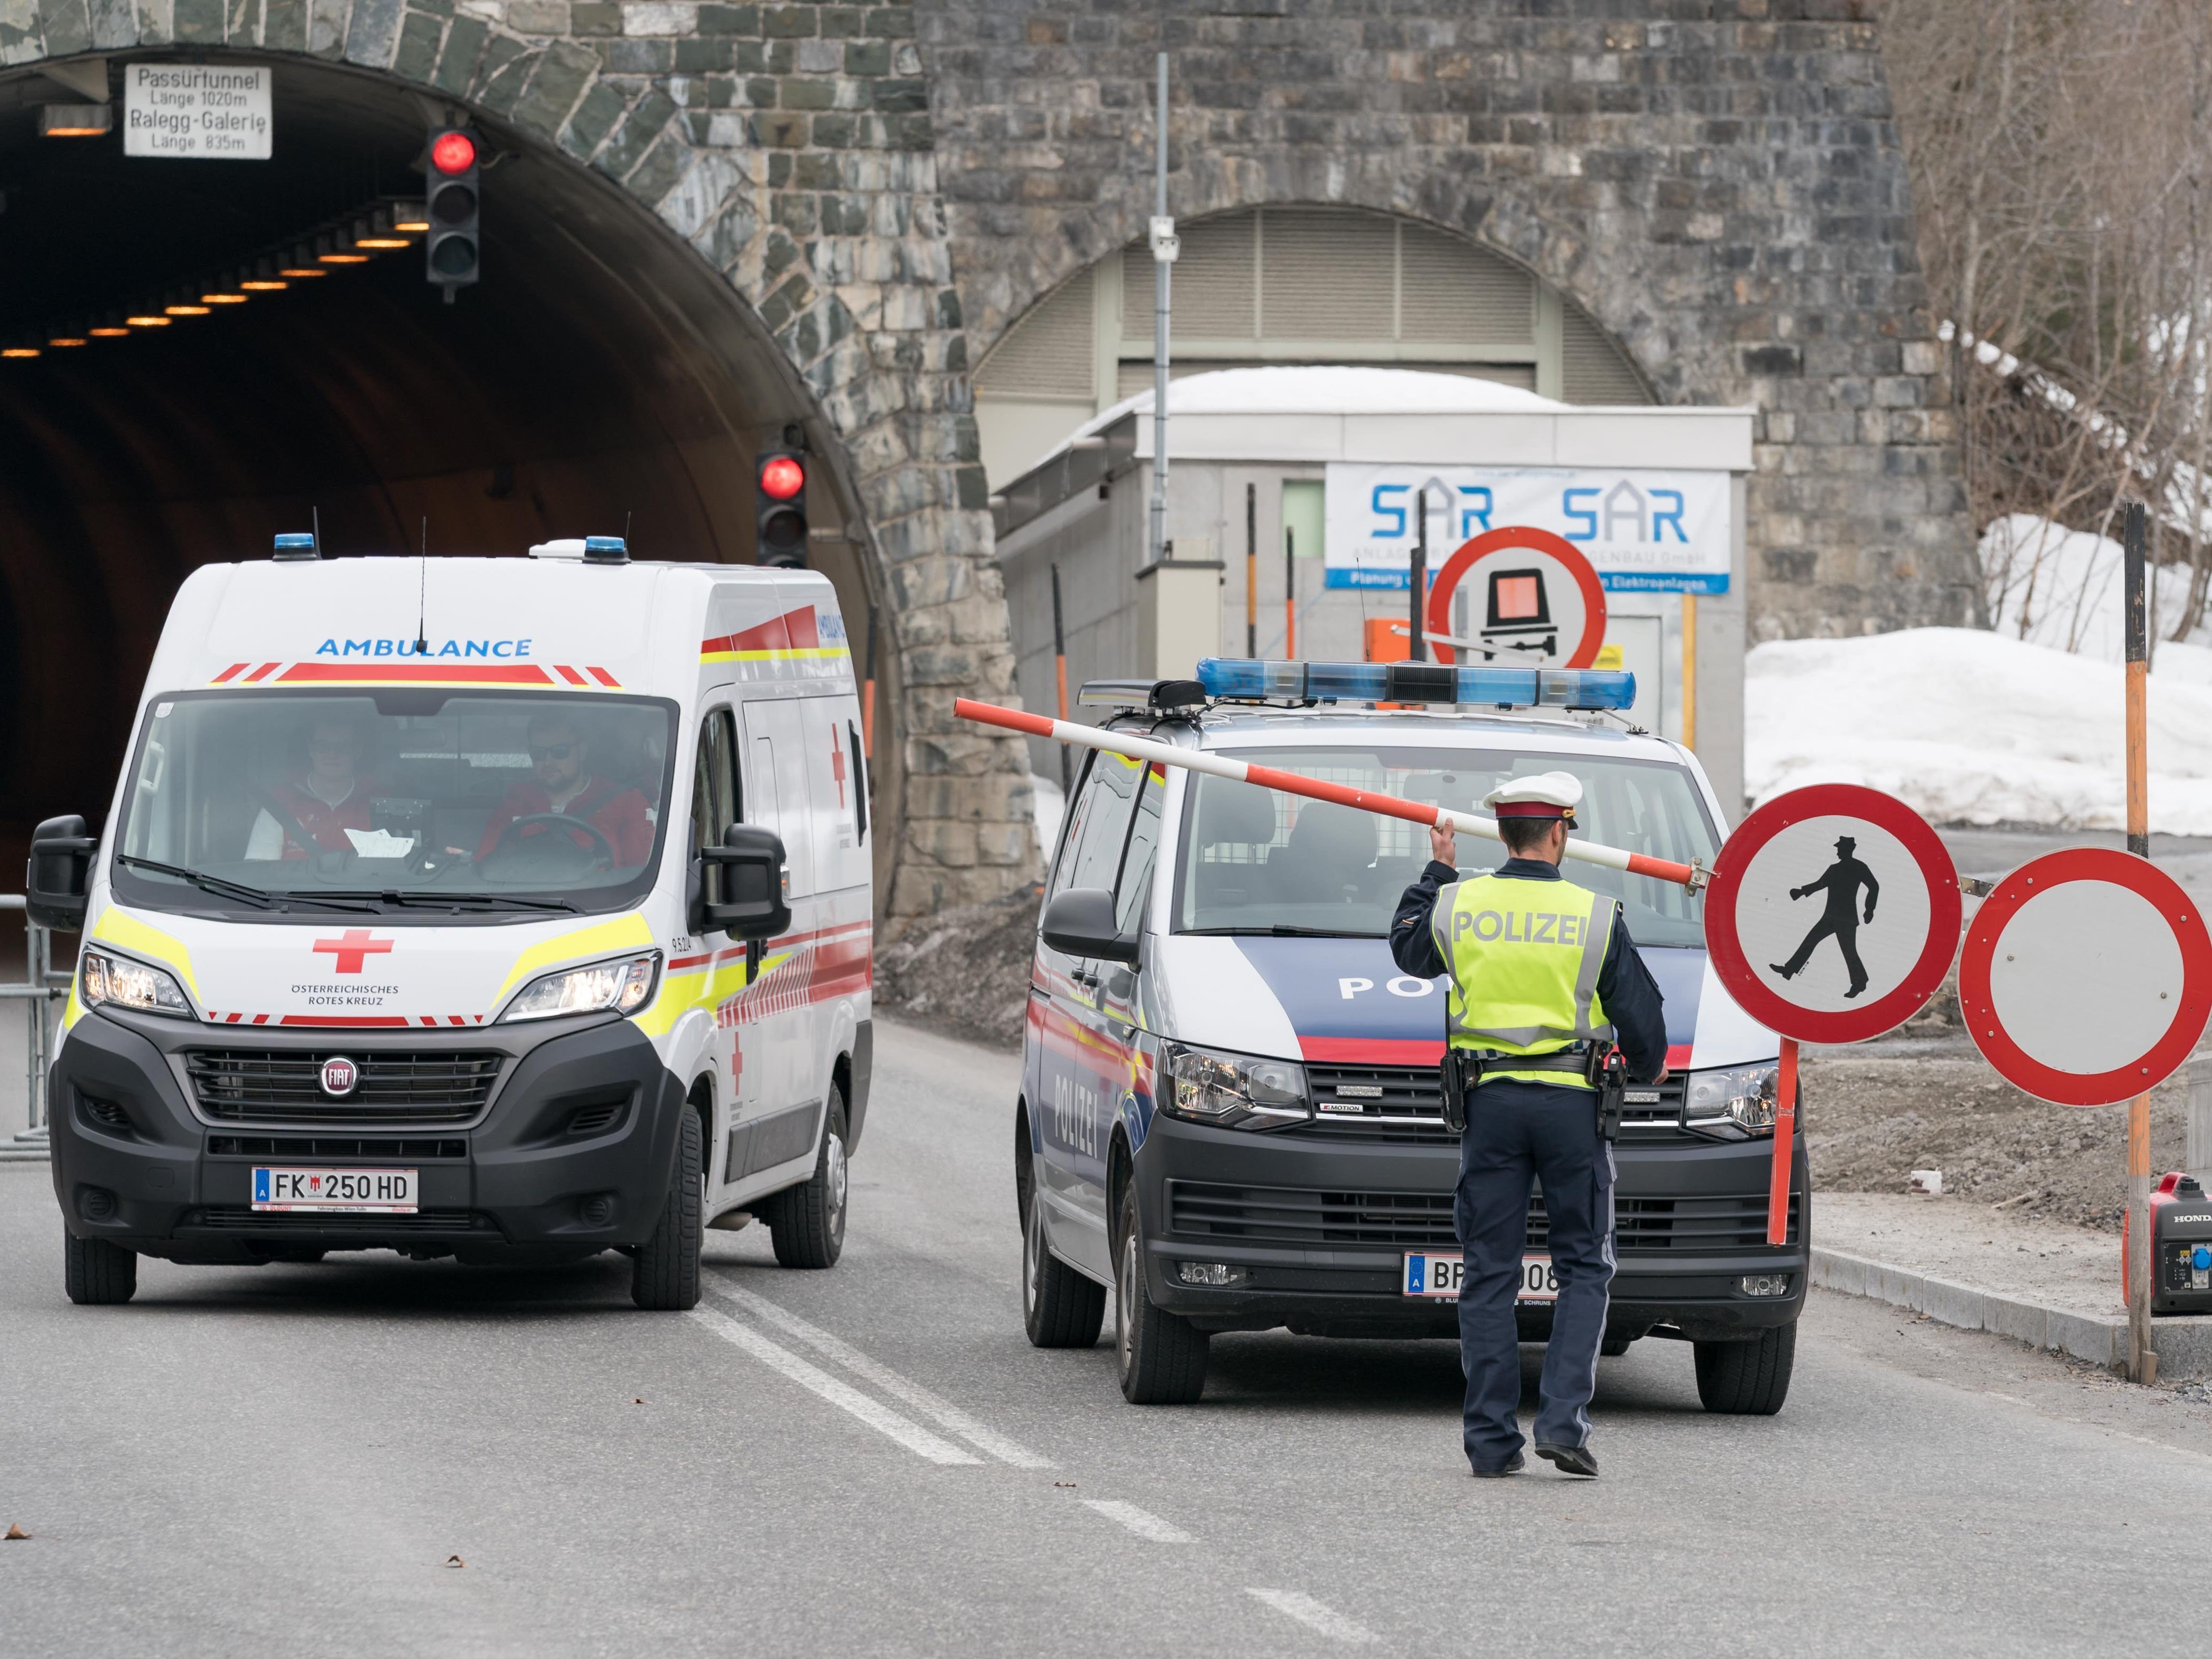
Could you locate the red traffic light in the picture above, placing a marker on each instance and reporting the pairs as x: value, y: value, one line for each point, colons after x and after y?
x: 781, y: 477
x: 454, y: 152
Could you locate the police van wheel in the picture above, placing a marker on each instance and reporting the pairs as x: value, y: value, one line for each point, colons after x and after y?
x: 664, y: 1275
x: 1060, y: 1309
x: 806, y: 1223
x: 1162, y: 1356
x: 97, y: 1274
x: 1747, y: 1379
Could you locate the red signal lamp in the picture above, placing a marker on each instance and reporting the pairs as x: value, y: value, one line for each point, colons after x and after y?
x: 782, y: 478
x: 454, y: 152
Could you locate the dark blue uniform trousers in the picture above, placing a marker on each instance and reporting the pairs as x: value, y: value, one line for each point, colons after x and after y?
x: 1514, y: 1131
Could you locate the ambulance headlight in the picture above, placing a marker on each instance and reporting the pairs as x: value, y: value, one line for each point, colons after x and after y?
x: 104, y: 980
x: 621, y: 987
x: 1733, y: 1104
x: 1235, y: 1091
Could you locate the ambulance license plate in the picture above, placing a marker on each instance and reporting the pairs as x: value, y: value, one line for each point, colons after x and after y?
x: 376, y: 1192
x: 1439, y: 1276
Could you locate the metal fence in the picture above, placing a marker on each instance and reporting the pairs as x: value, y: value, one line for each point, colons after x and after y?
x: 41, y: 992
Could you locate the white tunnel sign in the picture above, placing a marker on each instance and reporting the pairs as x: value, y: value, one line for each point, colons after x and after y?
x: 197, y: 111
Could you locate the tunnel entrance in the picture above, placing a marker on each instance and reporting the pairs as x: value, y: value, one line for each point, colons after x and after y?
x: 601, y: 373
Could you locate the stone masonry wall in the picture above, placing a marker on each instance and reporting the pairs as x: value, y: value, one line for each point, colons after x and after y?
x: 790, y: 146
x: 1719, y: 181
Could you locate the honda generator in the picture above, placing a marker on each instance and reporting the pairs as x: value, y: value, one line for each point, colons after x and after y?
x: 2180, y: 1246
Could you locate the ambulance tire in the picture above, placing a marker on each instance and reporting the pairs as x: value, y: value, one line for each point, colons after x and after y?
x: 1160, y: 1355
x: 806, y: 1223
x: 97, y: 1274
x: 1747, y: 1379
x: 1060, y: 1309
x: 664, y: 1275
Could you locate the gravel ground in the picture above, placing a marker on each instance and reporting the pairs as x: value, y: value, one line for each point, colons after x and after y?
x: 1970, y: 1243
x: 965, y: 972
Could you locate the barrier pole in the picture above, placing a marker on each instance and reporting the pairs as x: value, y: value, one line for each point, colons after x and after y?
x: 1786, y: 1138
x: 1297, y: 783
x: 2142, y: 1359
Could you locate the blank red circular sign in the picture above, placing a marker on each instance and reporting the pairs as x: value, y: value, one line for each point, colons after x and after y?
x: 1524, y: 539
x: 2087, y: 976
x: 1784, y: 880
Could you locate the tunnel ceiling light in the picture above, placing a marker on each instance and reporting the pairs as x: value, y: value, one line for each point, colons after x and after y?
x: 222, y: 299
x: 76, y: 121
x: 186, y: 311
x: 20, y: 351
x: 297, y: 272
x: 344, y: 259
x: 382, y: 241
x: 267, y: 285
x: 63, y: 342
x: 411, y: 216
x: 108, y: 333
x: 148, y: 321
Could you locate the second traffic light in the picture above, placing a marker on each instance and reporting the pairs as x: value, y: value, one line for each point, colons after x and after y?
x: 454, y: 249
x: 780, y: 508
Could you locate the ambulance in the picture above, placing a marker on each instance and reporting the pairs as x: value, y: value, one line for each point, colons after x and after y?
x: 506, y: 909
x: 1231, y: 1116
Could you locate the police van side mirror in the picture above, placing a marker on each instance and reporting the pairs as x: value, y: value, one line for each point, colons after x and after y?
x: 59, y: 874
x: 1079, y: 922
x: 753, y: 905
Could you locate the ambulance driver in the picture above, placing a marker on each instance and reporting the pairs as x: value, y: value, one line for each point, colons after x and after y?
x: 561, y: 781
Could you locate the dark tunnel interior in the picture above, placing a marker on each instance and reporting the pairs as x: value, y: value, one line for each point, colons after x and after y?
x: 600, y: 375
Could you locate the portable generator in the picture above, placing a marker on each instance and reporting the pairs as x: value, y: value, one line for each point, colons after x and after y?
x: 2180, y: 1246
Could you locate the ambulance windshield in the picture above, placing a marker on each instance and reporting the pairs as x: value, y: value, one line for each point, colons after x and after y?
x: 1257, y: 862
x: 404, y: 801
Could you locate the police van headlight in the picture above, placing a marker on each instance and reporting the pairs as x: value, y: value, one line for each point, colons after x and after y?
x: 1235, y: 1091
x: 104, y: 980
x: 1733, y: 1104
x: 622, y: 988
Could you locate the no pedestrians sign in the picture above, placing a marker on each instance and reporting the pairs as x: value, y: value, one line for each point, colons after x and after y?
x: 204, y: 111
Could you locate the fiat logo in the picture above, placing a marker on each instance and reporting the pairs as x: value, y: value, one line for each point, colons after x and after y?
x: 339, y: 1076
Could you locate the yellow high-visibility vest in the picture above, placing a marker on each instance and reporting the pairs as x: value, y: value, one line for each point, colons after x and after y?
x: 1524, y: 958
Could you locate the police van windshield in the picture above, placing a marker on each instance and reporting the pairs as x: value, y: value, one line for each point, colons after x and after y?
x: 1255, y: 861
x: 411, y: 801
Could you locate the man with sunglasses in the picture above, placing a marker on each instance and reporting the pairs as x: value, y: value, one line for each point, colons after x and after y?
x: 561, y: 783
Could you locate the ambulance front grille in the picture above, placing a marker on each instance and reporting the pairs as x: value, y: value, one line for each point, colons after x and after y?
x: 263, y: 1085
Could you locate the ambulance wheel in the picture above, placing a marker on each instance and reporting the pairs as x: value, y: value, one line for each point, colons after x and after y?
x: 97, y: 1274
x: 1747, y: 1379
x: 1060, y: 1309
x: 1162, y: 1356
x: 806, y: 1223
x: 664, y: 1275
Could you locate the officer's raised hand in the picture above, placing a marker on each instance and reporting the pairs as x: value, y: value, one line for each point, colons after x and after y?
x: 1443, y: 844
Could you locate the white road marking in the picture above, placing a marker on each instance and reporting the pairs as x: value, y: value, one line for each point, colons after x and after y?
x: 1143, y: 1522
x: 942, y: 1412
x: 1319, y: 1615
x: 873, y: 1413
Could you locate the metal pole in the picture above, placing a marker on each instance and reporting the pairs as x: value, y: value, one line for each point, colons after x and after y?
x: 1251, y: 570
x: 868, y: 699
x: 1419, y: 651
x: 1689, y: 671
x: 2143, y: 1360
x: 1059, y: 676
x: 1290, y: 593
x: 1163, y: 253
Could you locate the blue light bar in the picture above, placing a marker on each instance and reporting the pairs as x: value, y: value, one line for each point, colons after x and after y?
x: 296, y: 544
x: 606, y: 549
x: 1579, y: 688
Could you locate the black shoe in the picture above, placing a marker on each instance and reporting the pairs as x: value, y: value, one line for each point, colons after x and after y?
x: 1855, y: 990
x: 1513, y: 1466
x: 1569, y: 1460
x: 1780, y: 969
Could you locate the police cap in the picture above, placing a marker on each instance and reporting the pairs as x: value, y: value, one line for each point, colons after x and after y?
x: 1545, y: 795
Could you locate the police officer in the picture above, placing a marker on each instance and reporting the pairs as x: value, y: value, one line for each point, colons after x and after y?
x: 1543, y: 974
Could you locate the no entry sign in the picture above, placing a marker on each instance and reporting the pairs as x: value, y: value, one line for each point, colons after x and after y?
x: 1533, y: 600
x: 2087, y: 976
x: 1832, y: 914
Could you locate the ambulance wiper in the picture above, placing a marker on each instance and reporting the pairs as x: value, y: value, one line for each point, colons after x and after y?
x: 1283, y: 930
x: 201, y: 879
x: 447, y: 901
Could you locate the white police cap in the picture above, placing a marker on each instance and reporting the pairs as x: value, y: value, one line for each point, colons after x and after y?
x: 1546, y: 795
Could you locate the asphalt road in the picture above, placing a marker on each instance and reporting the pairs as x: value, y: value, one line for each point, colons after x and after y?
x: 872, y: 1460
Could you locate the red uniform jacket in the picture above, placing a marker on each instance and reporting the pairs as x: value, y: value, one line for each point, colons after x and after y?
x: 615, y: 812
x: 328, y: 824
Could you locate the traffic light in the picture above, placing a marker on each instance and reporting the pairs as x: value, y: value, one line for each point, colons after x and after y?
x: 780, y: 508
x: 453, y: 248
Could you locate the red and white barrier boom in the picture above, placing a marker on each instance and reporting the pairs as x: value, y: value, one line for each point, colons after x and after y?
x: 1297, y: 783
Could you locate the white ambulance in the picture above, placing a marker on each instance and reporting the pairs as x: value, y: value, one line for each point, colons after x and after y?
x: 499, y: 908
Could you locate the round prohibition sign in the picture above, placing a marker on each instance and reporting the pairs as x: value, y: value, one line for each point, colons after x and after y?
x: 2087, y: 976
x: 1832, y: 914
x: 1526, y: 539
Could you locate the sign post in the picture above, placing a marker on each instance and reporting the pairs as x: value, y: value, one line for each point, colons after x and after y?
x: 1832, y: 917
x: 2143, y: 1362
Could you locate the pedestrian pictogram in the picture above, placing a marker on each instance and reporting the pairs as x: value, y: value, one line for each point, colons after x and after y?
x: 2087, y: 976
x: 1840, y: 920
x: 1534, y: 600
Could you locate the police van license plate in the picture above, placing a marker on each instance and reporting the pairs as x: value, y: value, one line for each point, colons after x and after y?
x: 377, y: 1192
x: 1439, y: 1276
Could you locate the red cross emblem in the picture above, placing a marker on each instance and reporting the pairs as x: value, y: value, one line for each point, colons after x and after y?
x: 837, y: 766
x: 353, y: 948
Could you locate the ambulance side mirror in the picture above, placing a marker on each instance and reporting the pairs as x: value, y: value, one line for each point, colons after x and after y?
x: 753, y: 905
x: 1079, y: 922
x: 59, y: 874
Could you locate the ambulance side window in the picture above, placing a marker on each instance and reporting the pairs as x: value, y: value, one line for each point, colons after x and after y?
x: 716, y: 800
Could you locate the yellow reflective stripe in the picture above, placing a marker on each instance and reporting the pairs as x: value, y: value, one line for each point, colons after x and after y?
x: 703, y: 986
x: 605, y: 937
x: 811, y: 653
x: 120, y: 927
x: 72, y: 1011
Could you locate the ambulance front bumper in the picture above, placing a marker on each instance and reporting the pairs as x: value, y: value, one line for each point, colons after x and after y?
x: 1322, y: 1230
x: 563, y: 1145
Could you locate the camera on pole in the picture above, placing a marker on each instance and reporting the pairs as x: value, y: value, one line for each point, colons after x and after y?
x: 454, y: 249
x: 780, y: 508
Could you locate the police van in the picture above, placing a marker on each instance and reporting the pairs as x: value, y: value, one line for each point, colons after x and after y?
x: 506, y: 909
x: 1230, y: 1116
